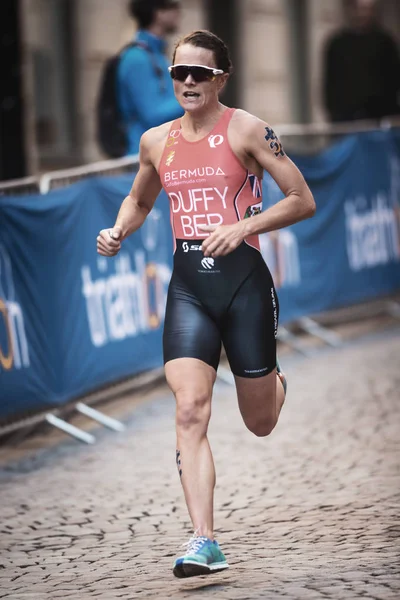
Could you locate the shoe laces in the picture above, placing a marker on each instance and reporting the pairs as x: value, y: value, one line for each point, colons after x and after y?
x: 195, y: 543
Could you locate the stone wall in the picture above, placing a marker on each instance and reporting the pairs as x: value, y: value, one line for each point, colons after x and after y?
x: 100, y: 27
x: 265, y: 60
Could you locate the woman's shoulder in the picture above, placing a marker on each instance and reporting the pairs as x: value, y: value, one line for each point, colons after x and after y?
x: 157, y: 135
x: 153, y: 141
x: 243, y: 120
x: 245, y: 126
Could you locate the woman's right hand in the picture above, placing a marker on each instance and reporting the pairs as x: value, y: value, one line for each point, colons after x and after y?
x: 109, y: 241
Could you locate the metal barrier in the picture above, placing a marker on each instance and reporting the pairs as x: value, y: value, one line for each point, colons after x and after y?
x: 43, y: 184
x: 19, y: 187
x: 308, y: 139
x: 57, y: 179
x: 56, y: 417
x: 312, y: 138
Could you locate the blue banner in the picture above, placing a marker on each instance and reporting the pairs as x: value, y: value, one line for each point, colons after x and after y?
x: 72, y: 321
x: 350, y: 250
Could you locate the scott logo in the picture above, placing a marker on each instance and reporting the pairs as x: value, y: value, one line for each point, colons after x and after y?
x: 215, y: 140
x: 207, y: 262
x: 186, y: 247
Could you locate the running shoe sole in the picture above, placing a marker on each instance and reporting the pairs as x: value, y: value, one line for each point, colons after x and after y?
x: 192, y: 569
x: 178, y: 571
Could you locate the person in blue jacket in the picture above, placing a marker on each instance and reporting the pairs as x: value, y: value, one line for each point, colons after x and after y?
x: 145, y: 88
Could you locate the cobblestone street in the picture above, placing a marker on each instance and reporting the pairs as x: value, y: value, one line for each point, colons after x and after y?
x: 312, y: 512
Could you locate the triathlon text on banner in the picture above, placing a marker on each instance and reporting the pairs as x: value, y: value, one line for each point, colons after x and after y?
x: 350, y: 250
x: 72, y: 321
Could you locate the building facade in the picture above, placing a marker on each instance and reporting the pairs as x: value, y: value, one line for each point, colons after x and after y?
x: 277, y: 45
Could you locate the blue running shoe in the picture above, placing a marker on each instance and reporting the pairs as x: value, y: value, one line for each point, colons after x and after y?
x: 202, y: 558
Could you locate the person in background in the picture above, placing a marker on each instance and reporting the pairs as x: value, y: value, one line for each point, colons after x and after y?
x: 361, y: 68
x: 145, y: 90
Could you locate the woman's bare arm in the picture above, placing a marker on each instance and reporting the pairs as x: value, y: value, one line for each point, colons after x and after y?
x: 137, y: 204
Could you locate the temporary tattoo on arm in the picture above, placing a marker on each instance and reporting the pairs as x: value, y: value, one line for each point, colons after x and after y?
x: 274, y: 142
x: 178, y: 462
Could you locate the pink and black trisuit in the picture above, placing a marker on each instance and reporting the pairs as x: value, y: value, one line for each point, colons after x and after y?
x: 229, y: 299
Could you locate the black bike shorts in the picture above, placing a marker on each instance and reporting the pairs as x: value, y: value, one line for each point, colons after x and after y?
x: 232, y: 302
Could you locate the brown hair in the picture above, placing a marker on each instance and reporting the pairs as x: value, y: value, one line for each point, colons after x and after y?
x: 205, y: 39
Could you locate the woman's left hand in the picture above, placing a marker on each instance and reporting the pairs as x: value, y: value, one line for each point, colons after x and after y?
x: 223, y: 239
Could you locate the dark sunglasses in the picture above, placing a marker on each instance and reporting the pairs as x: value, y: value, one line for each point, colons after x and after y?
x: 198, y: 72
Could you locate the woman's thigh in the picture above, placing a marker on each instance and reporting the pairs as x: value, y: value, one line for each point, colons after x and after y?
x: 189, y: 331
x: 249, y: 338
x: 257, y: 400
x: 250, y: 327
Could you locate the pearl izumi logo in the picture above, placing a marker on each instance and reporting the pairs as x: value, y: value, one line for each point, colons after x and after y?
x: 207, y: 263
x: 14, y: 350
x: 215, y: 140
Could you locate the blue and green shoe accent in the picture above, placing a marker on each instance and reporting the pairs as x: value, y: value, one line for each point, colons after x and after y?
x: 203, y: 557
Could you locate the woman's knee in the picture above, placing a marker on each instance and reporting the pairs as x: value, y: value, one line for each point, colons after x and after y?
x: 193, y: 409
x: 261, y: 427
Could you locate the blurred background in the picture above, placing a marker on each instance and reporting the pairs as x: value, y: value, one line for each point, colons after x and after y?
x: 54, y: 51
x: 287, y: 71
x: 317, y: 506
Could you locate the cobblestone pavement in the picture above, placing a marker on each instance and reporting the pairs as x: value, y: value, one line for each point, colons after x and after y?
x: 311, y: 512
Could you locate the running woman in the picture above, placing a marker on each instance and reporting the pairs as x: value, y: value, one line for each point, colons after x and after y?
x: 210, y: 163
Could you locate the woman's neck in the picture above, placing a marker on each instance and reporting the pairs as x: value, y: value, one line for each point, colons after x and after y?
x: 204, y: 121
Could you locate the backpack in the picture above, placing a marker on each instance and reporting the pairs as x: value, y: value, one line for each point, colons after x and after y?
x: 111, y: 128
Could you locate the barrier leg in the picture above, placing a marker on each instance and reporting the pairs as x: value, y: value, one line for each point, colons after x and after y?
x: 286, y: 336
x: 393, y: 308
x: 313, y: 328
x: 70, y: 429
x: 101, y: 418
x: 19, y: 435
